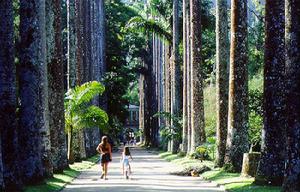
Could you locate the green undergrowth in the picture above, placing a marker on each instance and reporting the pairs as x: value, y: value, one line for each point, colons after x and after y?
x: 60, y: 180
x: 185, y: 162
x: 233, y: 182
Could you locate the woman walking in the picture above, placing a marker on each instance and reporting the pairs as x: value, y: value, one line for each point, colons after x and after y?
x: 104, y: 148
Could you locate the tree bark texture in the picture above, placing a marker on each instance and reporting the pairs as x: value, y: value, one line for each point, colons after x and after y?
x: 72, y: 44
x: 9, y: 161
x: 222, y: 58
x: 189, y: 67
x: 34, y: 133
x: 167, y: 84
x: 148, y: 91
x: 154, y: 96
x: 175, y: 80
x: 79, y: 138
x: 56, y: 85
x: 237, y: 137
x: 197, y: 99
x: 292, y: 26
x: 271, y: 166
x: 185, y: 69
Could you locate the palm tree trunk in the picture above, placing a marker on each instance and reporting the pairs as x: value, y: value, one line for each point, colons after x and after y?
x: 292, y: 25
x: 9, y: 161
x: 79, y: 138
x: 148, y: 91
x: 237, y: 137
x: 34, y: 134
x: 72, y: 32
x: 188, y: 74
x: 56, y: 85
x: 197, y: 103
x: 222, y: 58
x: 142, y: 105
x: 185, y: 70
x: 167, y: 84
x: 271, y: 165
x: 102, y: 44
x: 71, y: 63
x: 175, y: 80
x: 71, y: 157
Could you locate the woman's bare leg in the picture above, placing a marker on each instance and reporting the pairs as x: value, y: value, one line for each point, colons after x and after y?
x: 105, y: 170
x: 129, y: 168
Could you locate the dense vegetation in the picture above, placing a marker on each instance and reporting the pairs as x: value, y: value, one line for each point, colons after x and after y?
x: 213, y: 82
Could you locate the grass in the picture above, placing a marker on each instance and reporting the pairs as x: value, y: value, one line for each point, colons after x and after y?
x: 233, y: 182
x: 60, y: 180
x: 183, y: 161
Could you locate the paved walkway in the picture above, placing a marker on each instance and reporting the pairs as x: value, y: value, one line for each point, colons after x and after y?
x: 150, y: 173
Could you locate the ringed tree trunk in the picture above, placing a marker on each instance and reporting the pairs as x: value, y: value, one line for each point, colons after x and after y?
x: 9, y: 161
x: 71, y: 156
x: 142, y: 106
x: 197, y: 103
x: 185, y: 69
x: 56, y: 85
x: 101, y: 45
x: 154, y: 90
x: 189, y: 67
x: 78, y: 140
x: 175, y: 80
x: 71, y: 59
x: 71, y: 64
x: 292, y: 25
x: 167, y: 84
x: 237, y: 137
x: 222, y: 58
x: 271, y: 165
x: 148, y: 91
x: 34, y: 134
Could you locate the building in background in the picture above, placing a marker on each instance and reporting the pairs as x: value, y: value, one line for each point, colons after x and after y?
x: 132, y: 122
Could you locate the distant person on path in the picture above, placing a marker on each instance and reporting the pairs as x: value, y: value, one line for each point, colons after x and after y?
x: 125, y: 162
x: 104, y: 148
x: 124, y: 140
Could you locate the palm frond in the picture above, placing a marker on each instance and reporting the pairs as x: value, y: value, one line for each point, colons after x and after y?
x: 85, y: 93
x: 78, y: 112
x: 149, y: 25
x: 92, y: 117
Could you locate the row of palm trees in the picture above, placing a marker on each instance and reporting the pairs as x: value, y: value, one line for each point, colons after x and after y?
x: 32, y: 77
x: 280, y: 147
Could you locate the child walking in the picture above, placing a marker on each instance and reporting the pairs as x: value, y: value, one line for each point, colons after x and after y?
x: 125, y: 162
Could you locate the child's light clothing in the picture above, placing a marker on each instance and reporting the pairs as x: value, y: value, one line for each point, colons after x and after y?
x: 125, y: 160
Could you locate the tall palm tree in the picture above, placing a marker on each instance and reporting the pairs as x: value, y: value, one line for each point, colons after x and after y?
x: 222, y: 58
x: 79, y: 138
x: 237, y: 137
x: 292, y: 36
x: 175, y: 74
x: 197, y: 101
x: 80, y: 114
x: 56, y: 85
x: 71, y: 45
x: 188, y: 74
x: 9, y: 163
x: 185, y: 77
x: 34, y: 134
x: 271, y: 166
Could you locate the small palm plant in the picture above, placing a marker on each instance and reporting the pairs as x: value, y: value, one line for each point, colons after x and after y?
x: 80, y: 113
